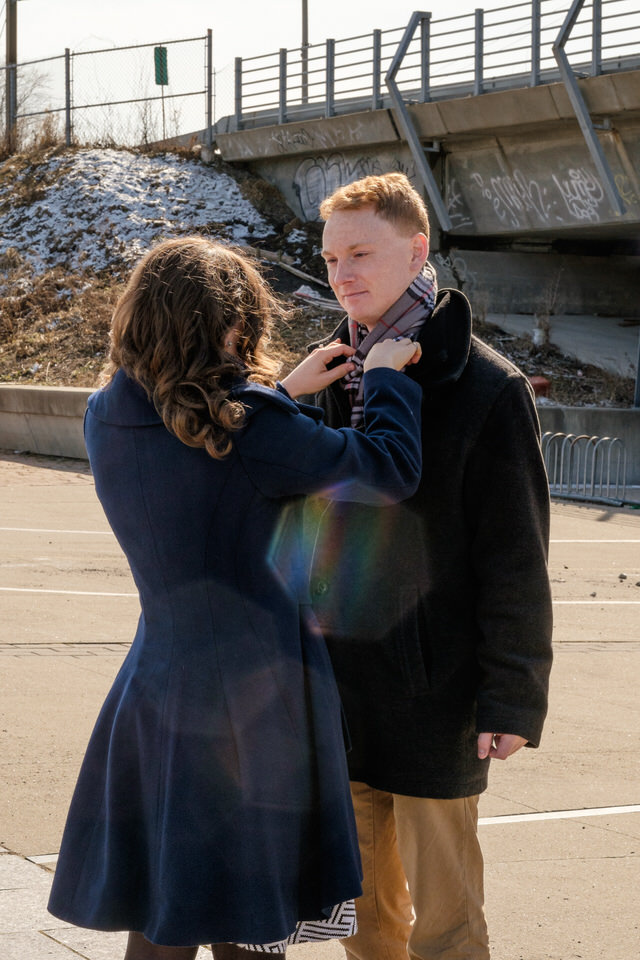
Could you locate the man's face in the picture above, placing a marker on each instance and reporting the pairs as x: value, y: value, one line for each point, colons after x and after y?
x: 370, y: 261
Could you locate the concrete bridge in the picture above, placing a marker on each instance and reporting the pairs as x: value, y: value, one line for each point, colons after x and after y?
x: 523, y: 134
x: 504, y: 147
x: 513, y: 163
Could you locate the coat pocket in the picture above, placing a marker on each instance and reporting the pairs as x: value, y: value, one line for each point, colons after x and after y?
x: 411, y: 642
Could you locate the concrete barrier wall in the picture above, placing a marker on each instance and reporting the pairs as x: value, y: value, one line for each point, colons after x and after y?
x: 48, y: 420
x: 45, y: 420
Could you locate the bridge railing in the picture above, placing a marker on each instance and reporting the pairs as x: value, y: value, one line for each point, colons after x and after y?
x: 477, y: 52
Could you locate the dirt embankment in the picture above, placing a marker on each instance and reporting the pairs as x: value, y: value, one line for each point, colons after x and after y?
x: 74, y: 221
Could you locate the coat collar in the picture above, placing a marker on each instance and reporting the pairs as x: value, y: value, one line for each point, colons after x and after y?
x: 445, y: 339
x: 124, y: 403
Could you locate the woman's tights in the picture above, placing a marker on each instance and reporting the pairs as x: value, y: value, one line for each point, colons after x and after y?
x: 139, y: 948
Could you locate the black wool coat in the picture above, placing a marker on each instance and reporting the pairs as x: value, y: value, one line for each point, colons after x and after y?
x: 437, y: 611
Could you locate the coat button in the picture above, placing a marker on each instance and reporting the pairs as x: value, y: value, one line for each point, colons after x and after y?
x: 320, y: 588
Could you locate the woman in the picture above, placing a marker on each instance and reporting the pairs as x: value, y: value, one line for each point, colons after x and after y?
x: 213, y: 803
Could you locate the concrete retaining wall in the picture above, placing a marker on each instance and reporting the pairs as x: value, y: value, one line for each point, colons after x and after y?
x: 545, y: 283
x: 48, y: 420
x: 45, y: 420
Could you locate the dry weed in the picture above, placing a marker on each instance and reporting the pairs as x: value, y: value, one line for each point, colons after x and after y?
x: 55, y: 330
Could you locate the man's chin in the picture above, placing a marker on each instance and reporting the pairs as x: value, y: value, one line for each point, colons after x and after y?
x: 360, y: 316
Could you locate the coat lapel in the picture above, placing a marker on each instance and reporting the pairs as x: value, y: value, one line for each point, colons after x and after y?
x: 445, y: 340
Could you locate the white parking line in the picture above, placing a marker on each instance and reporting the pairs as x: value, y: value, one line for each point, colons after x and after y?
x: 562, y: 814
x: 98, y: 593
x: 73, y: 593
x: 91, y: 533
x: 109, y: 533
x: 483, y: 821
x: 595, y: 603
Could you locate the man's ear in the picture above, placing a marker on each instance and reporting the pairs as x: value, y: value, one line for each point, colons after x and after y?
x: 419, y: 250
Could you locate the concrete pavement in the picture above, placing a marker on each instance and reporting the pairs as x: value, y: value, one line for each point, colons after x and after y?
x: 560, y: 826
x: 610, y: 343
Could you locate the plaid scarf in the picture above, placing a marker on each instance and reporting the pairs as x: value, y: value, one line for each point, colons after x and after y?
x: 404, y: 318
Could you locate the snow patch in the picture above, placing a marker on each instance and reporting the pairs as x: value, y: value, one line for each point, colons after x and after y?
x: 103, y: 209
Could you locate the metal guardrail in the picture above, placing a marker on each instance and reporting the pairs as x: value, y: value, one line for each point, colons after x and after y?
x: 482, y: 51
x: 585, y: 468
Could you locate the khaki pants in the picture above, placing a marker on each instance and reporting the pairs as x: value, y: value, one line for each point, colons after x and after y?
x: 431, y: 846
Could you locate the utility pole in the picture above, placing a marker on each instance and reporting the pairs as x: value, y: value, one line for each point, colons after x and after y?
x: 11, y: 71
x: 305, y: 51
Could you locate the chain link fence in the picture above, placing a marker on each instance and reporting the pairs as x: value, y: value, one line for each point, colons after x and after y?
x: 121, y: 96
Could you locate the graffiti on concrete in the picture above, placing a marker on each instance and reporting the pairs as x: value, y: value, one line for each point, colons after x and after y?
x: 518, y: 201
x: 582, y: 194
x: 292, y: 139
x: 456, y: 207
x: 287, y: 138
x: 318, y: 177
x: 456, y: 266
x: 511, y: 197
x: 629, y: 191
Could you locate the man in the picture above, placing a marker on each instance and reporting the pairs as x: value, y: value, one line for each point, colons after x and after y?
x: 436, y: 611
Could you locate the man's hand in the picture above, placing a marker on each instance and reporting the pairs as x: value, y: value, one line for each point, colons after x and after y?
x: 312, y: 374
x: 498, y: 746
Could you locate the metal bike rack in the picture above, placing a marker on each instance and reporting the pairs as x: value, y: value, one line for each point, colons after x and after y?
x: 585, y: 468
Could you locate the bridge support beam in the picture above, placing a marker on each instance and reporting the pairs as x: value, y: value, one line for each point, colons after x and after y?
x: 580, y: 108
x: 406, y: 127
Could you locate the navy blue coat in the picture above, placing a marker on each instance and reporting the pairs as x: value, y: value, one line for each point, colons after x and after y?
x: 213, y: 801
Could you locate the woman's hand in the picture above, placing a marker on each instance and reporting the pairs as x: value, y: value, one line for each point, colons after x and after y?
x: 393, y: 353
x: 312, y: 375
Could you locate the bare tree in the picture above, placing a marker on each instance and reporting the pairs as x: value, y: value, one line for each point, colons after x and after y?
x: 33, y: 97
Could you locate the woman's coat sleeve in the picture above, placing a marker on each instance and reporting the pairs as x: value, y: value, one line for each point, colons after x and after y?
x: 287, y: 452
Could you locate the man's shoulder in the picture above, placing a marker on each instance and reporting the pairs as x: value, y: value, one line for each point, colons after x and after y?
x: 489, y: 362
x: 489, y: 376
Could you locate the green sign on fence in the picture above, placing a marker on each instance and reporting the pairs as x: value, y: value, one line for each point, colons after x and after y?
x: 160, y: 61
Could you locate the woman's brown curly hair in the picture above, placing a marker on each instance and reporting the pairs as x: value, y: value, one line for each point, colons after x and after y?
x: 169, y: 329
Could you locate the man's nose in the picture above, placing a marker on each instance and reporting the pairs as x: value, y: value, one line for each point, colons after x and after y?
x: 342, y: 272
